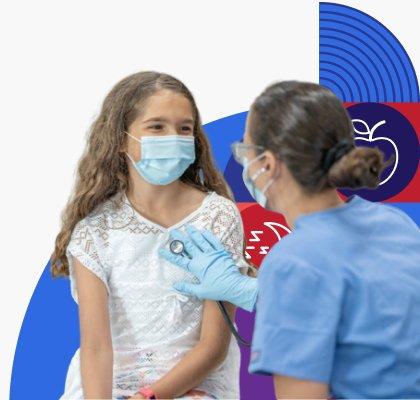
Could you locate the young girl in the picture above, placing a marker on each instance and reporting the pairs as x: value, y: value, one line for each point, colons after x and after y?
x: 147, y: 169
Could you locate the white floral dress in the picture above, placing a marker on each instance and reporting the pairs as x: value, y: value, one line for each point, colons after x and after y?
x: 152, y: 325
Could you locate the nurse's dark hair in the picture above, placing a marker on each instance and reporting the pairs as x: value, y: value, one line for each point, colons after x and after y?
x: 102, y: 170
x: 306, y: 126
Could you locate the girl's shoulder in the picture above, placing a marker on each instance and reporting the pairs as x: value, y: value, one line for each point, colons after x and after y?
x: 108, y: 215
x: 220, y: 207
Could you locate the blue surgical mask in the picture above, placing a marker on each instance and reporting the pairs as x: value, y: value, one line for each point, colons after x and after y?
x: 258, y: 195
x: 164, y: 158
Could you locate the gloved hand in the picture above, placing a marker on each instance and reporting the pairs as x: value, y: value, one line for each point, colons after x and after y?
x: 213, y: 265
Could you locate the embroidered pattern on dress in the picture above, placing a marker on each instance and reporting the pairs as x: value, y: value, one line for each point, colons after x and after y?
x: 152, y: 325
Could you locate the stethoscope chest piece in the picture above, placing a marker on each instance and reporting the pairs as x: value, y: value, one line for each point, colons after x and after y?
x: 176, y: 247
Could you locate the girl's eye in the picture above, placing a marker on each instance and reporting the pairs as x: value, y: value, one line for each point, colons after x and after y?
x: 156, y: 127
x: 186, y: 129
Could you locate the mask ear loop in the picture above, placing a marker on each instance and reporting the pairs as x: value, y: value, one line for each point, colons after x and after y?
x: 267, y: 185
x: 133, y: 137
x: 260, y: 172
x: 137, y: 140
x: 132, y: 161
x: 270, y: 181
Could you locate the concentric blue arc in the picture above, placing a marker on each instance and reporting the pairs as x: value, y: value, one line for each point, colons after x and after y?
x: 361, y: 60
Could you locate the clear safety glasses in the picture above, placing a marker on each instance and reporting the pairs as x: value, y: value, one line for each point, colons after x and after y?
x: 240, y: 151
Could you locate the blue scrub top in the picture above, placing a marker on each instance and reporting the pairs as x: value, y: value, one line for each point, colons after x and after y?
x: 339, y: 303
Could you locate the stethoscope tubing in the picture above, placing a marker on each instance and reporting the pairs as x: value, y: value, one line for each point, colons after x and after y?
x: 177, y: 248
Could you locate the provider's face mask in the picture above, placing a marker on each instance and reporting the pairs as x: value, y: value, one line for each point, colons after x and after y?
x: 164, y: 158
x: 258, y: 195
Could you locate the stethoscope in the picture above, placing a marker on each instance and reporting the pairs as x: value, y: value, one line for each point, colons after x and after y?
x: 177, y: 248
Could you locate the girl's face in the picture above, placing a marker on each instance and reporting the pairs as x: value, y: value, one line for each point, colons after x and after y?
x: 164, y: 113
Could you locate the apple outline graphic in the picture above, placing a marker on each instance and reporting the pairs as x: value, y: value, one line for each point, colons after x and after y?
x: 402, y: 130
x: 369, y: 132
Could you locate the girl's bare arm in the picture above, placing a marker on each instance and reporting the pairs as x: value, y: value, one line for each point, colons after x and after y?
x: 293, y: 388
x: 95, y: 335
x: 209, y: 352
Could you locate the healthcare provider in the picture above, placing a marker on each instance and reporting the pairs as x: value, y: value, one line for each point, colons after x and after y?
x: 338, y: 299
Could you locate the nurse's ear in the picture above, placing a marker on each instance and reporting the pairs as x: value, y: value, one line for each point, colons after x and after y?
x: 272, y: 165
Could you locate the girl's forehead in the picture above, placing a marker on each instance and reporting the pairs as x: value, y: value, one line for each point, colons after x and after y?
x: 167, y: 102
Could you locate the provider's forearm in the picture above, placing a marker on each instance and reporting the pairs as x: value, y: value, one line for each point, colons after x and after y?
x: 189, y: 372
x: 96, y: 369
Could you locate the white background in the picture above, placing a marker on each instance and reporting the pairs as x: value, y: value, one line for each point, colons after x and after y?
x: 59, y: 59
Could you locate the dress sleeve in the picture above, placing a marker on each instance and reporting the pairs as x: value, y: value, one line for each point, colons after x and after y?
x: 228, y: 227
x: 82, y: 246
x: 298, y: 310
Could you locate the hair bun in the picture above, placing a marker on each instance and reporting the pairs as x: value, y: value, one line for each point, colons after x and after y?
x: 336, y: 152
x: 361, y: 167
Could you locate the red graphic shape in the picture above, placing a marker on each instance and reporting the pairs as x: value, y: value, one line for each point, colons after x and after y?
x: 263, y: 229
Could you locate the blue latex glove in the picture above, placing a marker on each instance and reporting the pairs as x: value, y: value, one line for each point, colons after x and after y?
x: 213, y: 265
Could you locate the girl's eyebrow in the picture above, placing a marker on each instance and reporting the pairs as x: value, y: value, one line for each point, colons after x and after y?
x: 188, y: 121
x: 163, y: 119
x: 156, y: 119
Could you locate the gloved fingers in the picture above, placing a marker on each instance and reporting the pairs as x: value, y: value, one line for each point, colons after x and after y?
x: 198, y: 238
x: 190, y: 247
x: 176, y: 259
x: 213, y: 240
x: 190, y: 289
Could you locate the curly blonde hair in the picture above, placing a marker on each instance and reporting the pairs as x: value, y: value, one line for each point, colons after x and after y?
x: 102, y: 170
